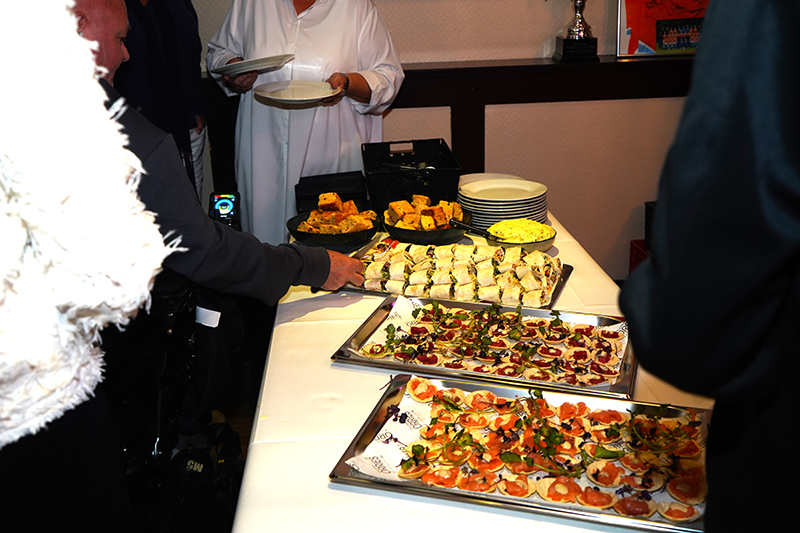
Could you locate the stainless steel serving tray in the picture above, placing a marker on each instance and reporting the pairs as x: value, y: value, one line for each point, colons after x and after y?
x: 386, y: 409
x: 566, y: 271
x: 348, y: 353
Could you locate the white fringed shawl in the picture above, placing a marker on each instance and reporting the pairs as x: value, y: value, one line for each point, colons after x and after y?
x: 77, y: 249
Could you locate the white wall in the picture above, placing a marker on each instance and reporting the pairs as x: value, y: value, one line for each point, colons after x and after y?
x: 462, y: 30
x: 600, y: 160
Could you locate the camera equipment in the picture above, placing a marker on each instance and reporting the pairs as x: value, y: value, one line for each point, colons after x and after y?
x: 224, y: 207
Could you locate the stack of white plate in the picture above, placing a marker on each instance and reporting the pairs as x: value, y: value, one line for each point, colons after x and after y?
x: 491, y: 198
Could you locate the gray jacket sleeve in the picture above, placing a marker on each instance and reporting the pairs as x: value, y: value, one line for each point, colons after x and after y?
x: 217, y: 256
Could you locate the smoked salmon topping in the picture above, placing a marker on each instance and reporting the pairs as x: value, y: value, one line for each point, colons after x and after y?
x: 473, y: 420
x: 451, y: 397
x: 690, y: 490
x: 421, y: 389
x: 507, y: 422
x: 441, y: 414
x: 443, y: 476
x: 505, y: 406
x: 481, y: 482
x: 569, y: 410
x: 522, y: 465
x: 488, y: 461
x: 646, y: 481
x: 436, y: 430
x: 678, y: 512
x: 409, y: 470
x: 634, y: 506
x: 515, y: 485
x: 636, y: 462
x: 593, y: 497
x: 688, y: 449
x: 574, y: 427
x: 481, y: 400
x: 540, y: 408
x: 606, y: 473
x: 606, y: 417
x: 689, y: 467
x: 560, y: 489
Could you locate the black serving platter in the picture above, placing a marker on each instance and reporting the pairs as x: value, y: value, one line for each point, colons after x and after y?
x: 339, y: 242
x: 437, y: 236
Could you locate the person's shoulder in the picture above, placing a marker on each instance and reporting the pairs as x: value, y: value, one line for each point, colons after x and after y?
x: 363, y: 4
x: 143, y: 135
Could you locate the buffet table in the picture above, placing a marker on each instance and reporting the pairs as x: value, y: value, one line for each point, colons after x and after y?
x: 310, y: 410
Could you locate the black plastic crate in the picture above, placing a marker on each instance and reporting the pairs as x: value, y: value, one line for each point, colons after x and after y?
x: 348, y: 185
x: 394, y: 171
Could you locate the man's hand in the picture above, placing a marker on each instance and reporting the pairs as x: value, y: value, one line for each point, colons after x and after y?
x: 343, y: 269
x: 336, y: 81
x: 243, y: 82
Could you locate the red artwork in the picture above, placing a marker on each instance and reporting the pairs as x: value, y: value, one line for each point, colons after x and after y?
x: 663, y: 26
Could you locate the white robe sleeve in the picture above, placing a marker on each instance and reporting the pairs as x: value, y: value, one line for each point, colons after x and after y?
x: 378, y: 63
x: 226, y: 44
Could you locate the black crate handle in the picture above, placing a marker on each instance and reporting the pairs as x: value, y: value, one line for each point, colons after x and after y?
x: 406, y: 148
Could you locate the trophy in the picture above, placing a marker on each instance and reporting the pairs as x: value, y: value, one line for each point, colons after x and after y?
x: 577, y: 44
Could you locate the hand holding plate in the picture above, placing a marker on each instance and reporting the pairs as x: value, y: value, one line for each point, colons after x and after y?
x: 339, y: 82
x: 242, y: 82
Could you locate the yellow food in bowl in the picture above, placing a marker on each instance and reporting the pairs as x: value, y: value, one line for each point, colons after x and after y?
x: 521, y: 230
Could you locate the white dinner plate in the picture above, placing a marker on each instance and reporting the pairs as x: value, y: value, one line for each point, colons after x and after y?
x: 506, y: 215
x: 262, y: 64
x: 502, y: 189
x: 491, y: 220
x: 468, y: 202
x: 296, y: 91
x: 507, y: 212
x: 482, y: 176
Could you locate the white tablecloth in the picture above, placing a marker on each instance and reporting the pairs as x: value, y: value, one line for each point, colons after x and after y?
x: 310, y: 409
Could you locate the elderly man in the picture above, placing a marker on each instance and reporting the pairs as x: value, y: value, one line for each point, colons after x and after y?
x: 217, y: 257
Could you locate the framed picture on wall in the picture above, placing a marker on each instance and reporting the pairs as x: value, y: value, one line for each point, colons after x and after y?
x: 659, y: 27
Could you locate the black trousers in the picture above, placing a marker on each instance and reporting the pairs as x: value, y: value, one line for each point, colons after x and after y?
x: 68, y: 474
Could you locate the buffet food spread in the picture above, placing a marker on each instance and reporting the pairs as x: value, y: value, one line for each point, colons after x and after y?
x: 549, y: 443
x: 614, y: 461
x: 511, y: 404
x: 462, y: 272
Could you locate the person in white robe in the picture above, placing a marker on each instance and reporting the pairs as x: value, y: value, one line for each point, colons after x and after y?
x: 343, y: 42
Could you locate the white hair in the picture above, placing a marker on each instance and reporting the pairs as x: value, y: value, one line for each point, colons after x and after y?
x: 79, y: 250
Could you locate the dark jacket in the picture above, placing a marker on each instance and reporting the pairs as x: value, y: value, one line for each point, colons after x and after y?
x: 714, y: 310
